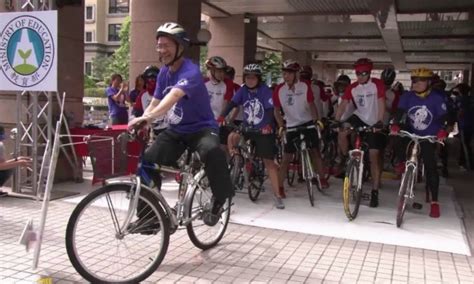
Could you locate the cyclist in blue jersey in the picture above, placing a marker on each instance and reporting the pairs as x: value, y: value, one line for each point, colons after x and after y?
x: 181, y: 94
x: 423, y: 111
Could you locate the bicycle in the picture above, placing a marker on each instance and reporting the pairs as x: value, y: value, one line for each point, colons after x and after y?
x: 305, y: 158
x: 329, y: 154
x: 410, y: 175
x: 355, y: 174
x: 244, y: 165
x: 131, y: 239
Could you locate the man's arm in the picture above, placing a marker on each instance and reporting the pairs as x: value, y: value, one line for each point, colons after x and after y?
x: 278, y: 117
x: 158, y: 108
x: 381, y: 108
x: 314, y: 112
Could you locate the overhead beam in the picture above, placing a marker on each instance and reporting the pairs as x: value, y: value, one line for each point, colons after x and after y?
x: 386, y: 19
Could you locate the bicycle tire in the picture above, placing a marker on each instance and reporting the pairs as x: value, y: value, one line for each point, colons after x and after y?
x: 306, y: 161
x: 197, y: 226
x: 104, y: 273
x: 407, y: 181
x: 256, y: 179
x: 236, y: 164
x: 292, y: 170
x: 351, y: 180
x: 329, y: 158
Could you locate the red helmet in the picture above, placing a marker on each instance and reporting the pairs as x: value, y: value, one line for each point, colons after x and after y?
x: 290, y: 65
x: 363, y: 65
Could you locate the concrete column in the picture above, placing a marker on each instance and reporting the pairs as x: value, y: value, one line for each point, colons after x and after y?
x: 147, y: 16
x: 234, y: 40
x: 471, y: 79
x: 302, y: 57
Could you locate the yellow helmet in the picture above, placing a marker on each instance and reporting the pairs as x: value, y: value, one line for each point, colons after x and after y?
x: 422, y: 73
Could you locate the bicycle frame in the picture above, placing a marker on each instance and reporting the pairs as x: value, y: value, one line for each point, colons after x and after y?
x: 358, y: 154
x: 302, y: 148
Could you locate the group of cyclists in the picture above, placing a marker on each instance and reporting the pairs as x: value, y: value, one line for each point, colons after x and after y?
x: 199, y: 114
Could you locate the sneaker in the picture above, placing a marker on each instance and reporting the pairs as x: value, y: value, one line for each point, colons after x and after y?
x: 211, y: 217
x: 144, y: 226
x: 462, y: 169
x: 279, y: 203
x: 3, y: 193
x: 435, y: 212
x: 374, y: 198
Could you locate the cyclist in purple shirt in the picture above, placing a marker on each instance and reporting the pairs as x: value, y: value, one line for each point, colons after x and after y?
x: 256, y: 99
x: 116, y: 97
x: 181, y: 94
x: 423, y: 111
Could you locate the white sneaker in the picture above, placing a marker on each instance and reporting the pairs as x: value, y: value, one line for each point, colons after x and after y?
x: 279, y: 203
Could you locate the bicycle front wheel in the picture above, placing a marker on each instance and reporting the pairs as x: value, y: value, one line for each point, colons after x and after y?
x: 236, y: 165
x: 201, y: 235
x: 292, y: 170
x: 405, y: 186
x: 307, y: 174
x: 102, y: 250
x: 352, y: 193
x: 256, y: 177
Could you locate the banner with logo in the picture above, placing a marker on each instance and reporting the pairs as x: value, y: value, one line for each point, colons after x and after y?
x: 28, y: 51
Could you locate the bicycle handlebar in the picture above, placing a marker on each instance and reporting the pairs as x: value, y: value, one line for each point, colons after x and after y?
x: 300, y: 128
x: 429, y: 138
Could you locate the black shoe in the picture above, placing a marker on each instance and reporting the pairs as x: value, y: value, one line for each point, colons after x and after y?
x: 3, y: 193
x: 445, y: 173
x: 144, y: 226
x: 374, y: 198
x: 211, y: 217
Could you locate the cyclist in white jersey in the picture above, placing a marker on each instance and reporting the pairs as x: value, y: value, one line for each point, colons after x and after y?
x: 296, y: 99
x: 368, y: 96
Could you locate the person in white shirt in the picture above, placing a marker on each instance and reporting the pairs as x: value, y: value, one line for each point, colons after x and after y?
x: 296, y: 99
x: 150, y: 73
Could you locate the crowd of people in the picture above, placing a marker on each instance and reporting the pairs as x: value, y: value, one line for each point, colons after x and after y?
x: 186, y: 110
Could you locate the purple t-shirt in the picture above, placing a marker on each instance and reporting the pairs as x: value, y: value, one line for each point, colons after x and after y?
x: 193, y: 111
x: 255, y: 105
x: 115, y: 109
x: 424, y: 114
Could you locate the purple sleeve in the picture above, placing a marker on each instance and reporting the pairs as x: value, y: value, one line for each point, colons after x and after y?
x: 189, y: 82
x: 403, y: 102
x: 237, y: 98
x: 268, y: 103
x: 110, y: 92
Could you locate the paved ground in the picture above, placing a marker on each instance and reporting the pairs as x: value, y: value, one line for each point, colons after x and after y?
x: 246, y: 254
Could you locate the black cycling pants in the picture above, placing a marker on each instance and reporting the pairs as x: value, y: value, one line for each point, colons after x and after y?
x: 170, y: 145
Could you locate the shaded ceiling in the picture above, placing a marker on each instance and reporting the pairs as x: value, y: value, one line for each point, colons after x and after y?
x: 404, y: 33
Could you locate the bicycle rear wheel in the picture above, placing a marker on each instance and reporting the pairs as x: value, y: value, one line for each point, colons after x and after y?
x: 406, y: 185
x: 351, y: 192
x: 236, y: 165
x: 102, y: 250
x: 200, y: 234
x: 329, y: 156
x: 256, y: 177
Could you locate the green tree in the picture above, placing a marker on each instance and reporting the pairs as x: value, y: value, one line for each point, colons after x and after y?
x: 202, y: 59
x: 100, y: 65
x: 271, y: 66
x: 88, y: 82
x: 120, y: 60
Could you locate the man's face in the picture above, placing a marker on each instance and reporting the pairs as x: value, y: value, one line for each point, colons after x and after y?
x: 116, y: 83
x: 289, y: 77
x: 420, y: 85
x: 251, y: 81
x: 362, y: 76
x: 166, y: 48
x: 219, y: 74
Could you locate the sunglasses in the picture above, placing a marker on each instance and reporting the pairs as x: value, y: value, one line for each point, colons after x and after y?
x: 418, y: 79
x: 365, y: 73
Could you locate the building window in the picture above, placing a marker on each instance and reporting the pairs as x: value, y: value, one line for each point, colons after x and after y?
x: 88, y: 37
x: 89, y: 13
x: 119, y: 6
x: 88, y: 68
x: 114, y: 30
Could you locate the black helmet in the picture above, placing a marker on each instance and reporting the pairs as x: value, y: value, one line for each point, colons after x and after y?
x: 388, y: 76
x: 343, y: 79
x: 151, y: 71
x: 230, y: 71
x: 174, y: 31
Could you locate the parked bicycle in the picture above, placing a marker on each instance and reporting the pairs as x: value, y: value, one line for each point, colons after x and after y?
x: 410, y: 175
x: 120, y: 232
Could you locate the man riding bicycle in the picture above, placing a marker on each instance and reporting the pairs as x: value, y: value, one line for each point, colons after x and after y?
x: 296, y: 99
x: 368, y: 96
x: 424, y: 112
x: 182, y: 95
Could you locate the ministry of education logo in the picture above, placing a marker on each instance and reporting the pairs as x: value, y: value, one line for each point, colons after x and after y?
x: 26, y: 51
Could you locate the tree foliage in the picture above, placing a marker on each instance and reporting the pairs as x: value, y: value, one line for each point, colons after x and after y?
x: 271, y: 66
